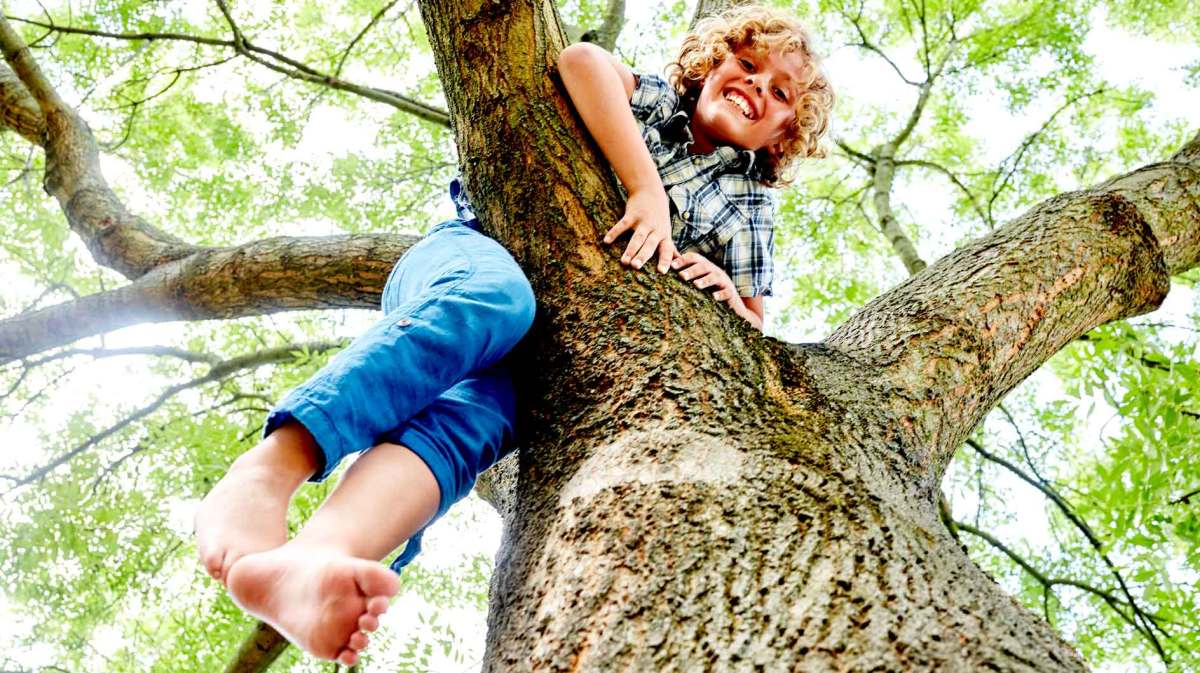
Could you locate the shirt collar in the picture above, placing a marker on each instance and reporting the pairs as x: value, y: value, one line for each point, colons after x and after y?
x: 677, y: 128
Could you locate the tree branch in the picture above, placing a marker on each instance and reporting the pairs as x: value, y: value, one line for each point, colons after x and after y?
x: 949, y: 342
x: 864, y: 43
x: 1014, y: 160
x: 1148, y: 623
x: 984, y: 217
x: 115, y: 237
x: 1050, y: 582
x: 883, y: 175
x: 709, y: 7
x: 614, y: 20
x: 272, y: 59
x: 18, y: 110
x: 267, y: 276
x: 1186, y: 498
x: 218, y: 371
x: 337, y: 70
x: 259, y: 649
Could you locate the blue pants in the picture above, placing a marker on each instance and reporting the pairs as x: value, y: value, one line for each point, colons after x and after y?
x: 429, y: 375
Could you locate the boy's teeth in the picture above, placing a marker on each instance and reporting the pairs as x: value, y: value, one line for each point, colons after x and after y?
x: 740, y: 102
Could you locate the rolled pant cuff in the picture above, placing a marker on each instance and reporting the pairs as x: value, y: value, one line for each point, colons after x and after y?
x: 442, y: 473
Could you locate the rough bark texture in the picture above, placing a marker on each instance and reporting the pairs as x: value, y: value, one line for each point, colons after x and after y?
x: 18, y: 110
x: 691, y: 496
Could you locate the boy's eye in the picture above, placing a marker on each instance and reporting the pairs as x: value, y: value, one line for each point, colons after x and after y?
x: 782, y: 96
x: 746, y: 64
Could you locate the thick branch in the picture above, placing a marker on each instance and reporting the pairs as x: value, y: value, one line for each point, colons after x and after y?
x: 953, y: 339
x: 267, y: 276
x: 258, y: 650
x: 883, y: 176
x: 115, y: 237
x: 709, y: 7
x: 18, y: 110
x: 614, y: 19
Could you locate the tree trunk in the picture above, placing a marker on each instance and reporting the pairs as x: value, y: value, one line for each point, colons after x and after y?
x: 692, y: 496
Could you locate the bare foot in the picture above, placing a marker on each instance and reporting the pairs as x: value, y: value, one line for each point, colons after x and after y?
x: 321, y: 600
x: 246, y: 512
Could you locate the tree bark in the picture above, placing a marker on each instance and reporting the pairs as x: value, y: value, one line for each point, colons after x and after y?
x: 692, y: 496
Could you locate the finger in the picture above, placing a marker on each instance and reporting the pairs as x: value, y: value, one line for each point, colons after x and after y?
x: 666, y: 253
x: 635, y: 244
x: 723, y: 295
x: 707, y: 279
x: 685, y: 259
x: 690, y: 271
x: 619, y: 228
x: 645, y: 252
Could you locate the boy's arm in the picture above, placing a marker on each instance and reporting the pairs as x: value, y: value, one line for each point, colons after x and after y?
x: 755, y: 305
x: 600, y: 87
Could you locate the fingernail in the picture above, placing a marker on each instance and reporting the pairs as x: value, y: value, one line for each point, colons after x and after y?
x: 637, y: 263
x: 675, y: 264
x: 608, y: 239
x: 624, y: 260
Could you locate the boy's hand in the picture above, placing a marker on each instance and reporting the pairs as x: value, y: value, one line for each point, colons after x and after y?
x: 648, y: 213
x: 704, y: 274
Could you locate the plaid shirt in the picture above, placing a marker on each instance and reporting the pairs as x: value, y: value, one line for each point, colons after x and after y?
x: 718, y: 206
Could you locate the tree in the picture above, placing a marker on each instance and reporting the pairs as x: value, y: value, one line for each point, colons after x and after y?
x: 667, y: 459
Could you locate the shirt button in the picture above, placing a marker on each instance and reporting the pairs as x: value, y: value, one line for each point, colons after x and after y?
x: 404, y: 322
x: 687, y: 214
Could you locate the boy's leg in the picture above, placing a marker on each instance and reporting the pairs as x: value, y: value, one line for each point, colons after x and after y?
x: 455, y: 303
x: 319, y: 588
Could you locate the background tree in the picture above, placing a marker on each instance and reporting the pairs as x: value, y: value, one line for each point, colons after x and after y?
x: 210, y: 135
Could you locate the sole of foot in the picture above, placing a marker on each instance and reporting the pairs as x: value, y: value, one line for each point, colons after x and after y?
x: 323, y: 602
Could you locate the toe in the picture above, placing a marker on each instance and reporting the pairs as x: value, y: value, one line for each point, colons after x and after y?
x: 347, y: 657
x: 377, y: 605
x: 368, y: 623
x: 376, y: 580
x: 358, y: 641
x: 211, y: 562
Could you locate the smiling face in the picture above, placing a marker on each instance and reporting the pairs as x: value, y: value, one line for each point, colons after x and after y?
x: 748, y: 101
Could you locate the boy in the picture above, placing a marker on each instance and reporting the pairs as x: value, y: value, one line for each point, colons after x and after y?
x: 425, y: 389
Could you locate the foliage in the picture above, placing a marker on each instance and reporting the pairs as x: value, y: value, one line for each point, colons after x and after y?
x: 98, y: 555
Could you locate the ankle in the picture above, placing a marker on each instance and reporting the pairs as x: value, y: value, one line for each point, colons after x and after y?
x: 289, y: 455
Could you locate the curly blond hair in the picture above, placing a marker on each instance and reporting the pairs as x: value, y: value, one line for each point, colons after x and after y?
x: 760, y: 29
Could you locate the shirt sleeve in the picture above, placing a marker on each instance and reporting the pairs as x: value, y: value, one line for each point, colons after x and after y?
x: 749, y: 253
x: 653, y: 99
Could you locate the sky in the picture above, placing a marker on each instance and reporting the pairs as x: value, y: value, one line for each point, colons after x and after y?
x: 473, y: 526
